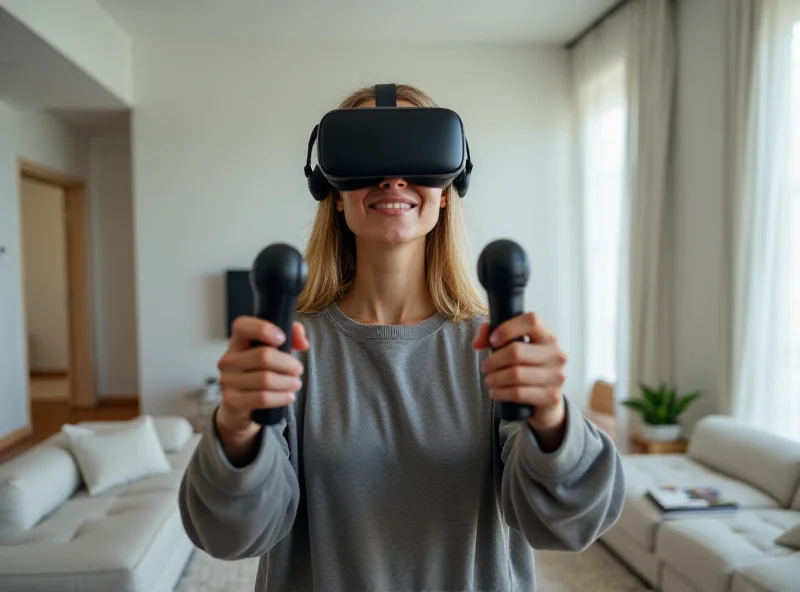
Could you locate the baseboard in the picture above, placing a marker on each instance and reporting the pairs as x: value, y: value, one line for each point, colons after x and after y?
x: 15, y: 437
x: 49, y: 373
x: 50, y: 398
x: 118, y: 400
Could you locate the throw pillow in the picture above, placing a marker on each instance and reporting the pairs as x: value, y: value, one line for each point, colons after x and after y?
x: 173, y: 432
x: 110, y: 458
x: 790, y: 538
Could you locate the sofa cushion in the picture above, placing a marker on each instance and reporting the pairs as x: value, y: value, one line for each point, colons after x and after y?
x: 90, y: 535
x: 174, y: 431
x: 790, y: 538
x: 708, y: 551
x: 759, y: 458
x: 640, y: 517
x: 33, y: 485
x: 775, y: 574
x: 636, y: 557
x: 110, y: 458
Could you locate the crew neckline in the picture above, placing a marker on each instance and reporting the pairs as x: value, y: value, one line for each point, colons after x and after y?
x: 362, y: 331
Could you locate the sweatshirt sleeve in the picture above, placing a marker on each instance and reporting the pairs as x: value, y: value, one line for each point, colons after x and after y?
x: 566, y: 499
x: 236, y: 513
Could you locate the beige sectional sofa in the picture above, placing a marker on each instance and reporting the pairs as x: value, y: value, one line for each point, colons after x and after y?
x: 56, y: 536
x: 753, y: 549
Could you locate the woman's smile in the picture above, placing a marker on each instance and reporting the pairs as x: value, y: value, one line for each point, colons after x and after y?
x: 392, y: 206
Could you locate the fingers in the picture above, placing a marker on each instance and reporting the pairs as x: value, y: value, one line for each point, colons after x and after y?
x: 259, y: 381
x: 243, y: 402
x: 260, y: 358
x: 481, y: 340
x: 536, y: 376
x: 299, y: 339
x: 520, y: 353
x: 255, y: 374
x: 528, y: 324
x: 527, y: 395
x: 526, y: 366
x: 540, y: 387
x: 247, y: 329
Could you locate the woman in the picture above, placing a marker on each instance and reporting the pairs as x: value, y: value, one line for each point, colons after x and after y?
x: 392, y: 473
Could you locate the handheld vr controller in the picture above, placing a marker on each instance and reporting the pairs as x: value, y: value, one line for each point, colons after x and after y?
x: 362, y: 146
x: 278, y: 276
x: 503, y: 271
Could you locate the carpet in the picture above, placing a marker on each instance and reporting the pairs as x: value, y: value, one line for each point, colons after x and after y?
x: 595, y: 569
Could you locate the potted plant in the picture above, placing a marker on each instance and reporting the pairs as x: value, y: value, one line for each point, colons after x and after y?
x: 660, y: 410
x: 211, y: 388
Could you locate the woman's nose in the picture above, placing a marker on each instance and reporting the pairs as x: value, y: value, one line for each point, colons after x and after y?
x: 393, y: 183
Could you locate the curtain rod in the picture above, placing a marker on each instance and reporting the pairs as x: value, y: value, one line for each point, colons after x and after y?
x: 614, y: 8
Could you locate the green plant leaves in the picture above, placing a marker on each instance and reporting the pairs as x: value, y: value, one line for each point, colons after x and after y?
x: 661, y: 406
x: 683, y: 403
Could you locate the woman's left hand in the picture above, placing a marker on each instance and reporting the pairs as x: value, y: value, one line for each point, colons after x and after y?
x: 529, y: 372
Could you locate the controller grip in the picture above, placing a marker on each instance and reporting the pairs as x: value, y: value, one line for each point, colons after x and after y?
x: 278, y: 276
x: 502, y: 307
x: 279, y: 310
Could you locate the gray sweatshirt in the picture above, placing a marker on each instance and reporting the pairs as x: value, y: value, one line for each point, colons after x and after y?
x: 393, y: 474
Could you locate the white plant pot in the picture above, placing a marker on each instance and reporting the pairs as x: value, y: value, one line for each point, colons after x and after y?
x: 661, y: 433
x: 211, y: 392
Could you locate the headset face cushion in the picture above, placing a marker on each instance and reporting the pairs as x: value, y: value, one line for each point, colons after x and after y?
x: 360, y: 147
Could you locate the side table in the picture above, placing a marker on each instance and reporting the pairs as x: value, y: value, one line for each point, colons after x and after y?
x: 205, y: 407
x: 641, y: 446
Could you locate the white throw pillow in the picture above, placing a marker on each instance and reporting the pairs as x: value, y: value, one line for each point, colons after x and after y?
x: 790, y: 538
x: 110, y: 458
x: 173, y: 431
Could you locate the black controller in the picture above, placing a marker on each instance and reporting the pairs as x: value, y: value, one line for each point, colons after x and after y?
x: 278, y: 276
x: 503, y: 271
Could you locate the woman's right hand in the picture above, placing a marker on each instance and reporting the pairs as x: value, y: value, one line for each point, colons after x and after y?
x: 254, y: 378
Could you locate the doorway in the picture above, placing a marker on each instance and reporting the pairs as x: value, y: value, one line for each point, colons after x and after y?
x: 57, y: 287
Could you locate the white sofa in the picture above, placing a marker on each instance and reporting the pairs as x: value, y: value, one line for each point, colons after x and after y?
x: 54, y: 536
x: 731, y: 552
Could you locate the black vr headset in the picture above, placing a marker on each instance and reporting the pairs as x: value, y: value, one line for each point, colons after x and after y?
x: 360, y: 147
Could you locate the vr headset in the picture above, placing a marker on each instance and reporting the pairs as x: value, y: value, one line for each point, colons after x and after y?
x: 362, y: 146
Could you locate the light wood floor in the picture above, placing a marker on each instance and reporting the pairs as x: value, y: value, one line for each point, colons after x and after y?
x: 49, y: 415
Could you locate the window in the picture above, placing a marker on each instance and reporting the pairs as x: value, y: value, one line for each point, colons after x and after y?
x: 603, y: 163
x: 793, y: 232
x: 765, y: 386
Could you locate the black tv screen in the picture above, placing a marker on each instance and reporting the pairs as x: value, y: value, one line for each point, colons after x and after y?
x: 238, y: 295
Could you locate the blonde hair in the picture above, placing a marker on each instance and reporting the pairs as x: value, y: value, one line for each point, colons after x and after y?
x: 331, y: 250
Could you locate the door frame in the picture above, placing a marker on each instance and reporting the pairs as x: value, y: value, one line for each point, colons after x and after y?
x: 82, y: 393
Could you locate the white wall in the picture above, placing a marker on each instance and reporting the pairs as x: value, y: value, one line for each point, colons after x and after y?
x: 41, y: 139
x: 13, y: 378
x: 698, y: 186
x: 44, y: 256
x: 220, y: 139
x: 111, y: 197
x: 44, y: 140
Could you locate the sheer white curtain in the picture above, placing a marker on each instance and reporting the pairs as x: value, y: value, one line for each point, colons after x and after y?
x: 624, y: 76
x: 599, y: 81
x: 761, y: 374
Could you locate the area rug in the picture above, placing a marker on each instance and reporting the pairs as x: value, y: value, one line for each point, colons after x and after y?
x: 594, y: 570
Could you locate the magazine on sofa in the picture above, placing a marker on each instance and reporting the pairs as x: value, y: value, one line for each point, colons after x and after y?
x: 675, y: 502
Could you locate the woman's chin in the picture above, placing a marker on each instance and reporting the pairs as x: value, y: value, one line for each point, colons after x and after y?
x: 392, y: 239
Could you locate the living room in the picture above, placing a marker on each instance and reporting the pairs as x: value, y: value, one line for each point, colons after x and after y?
x: 642, y: 153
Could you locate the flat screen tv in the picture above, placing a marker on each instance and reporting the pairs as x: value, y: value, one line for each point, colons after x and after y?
x: 239, y: 298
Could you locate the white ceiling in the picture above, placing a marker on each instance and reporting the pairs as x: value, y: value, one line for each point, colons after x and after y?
x: 531, y: 21
x: 33, y: 75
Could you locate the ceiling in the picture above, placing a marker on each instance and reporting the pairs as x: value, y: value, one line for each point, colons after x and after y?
x: 33, y: 75
x: 530, y: 21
